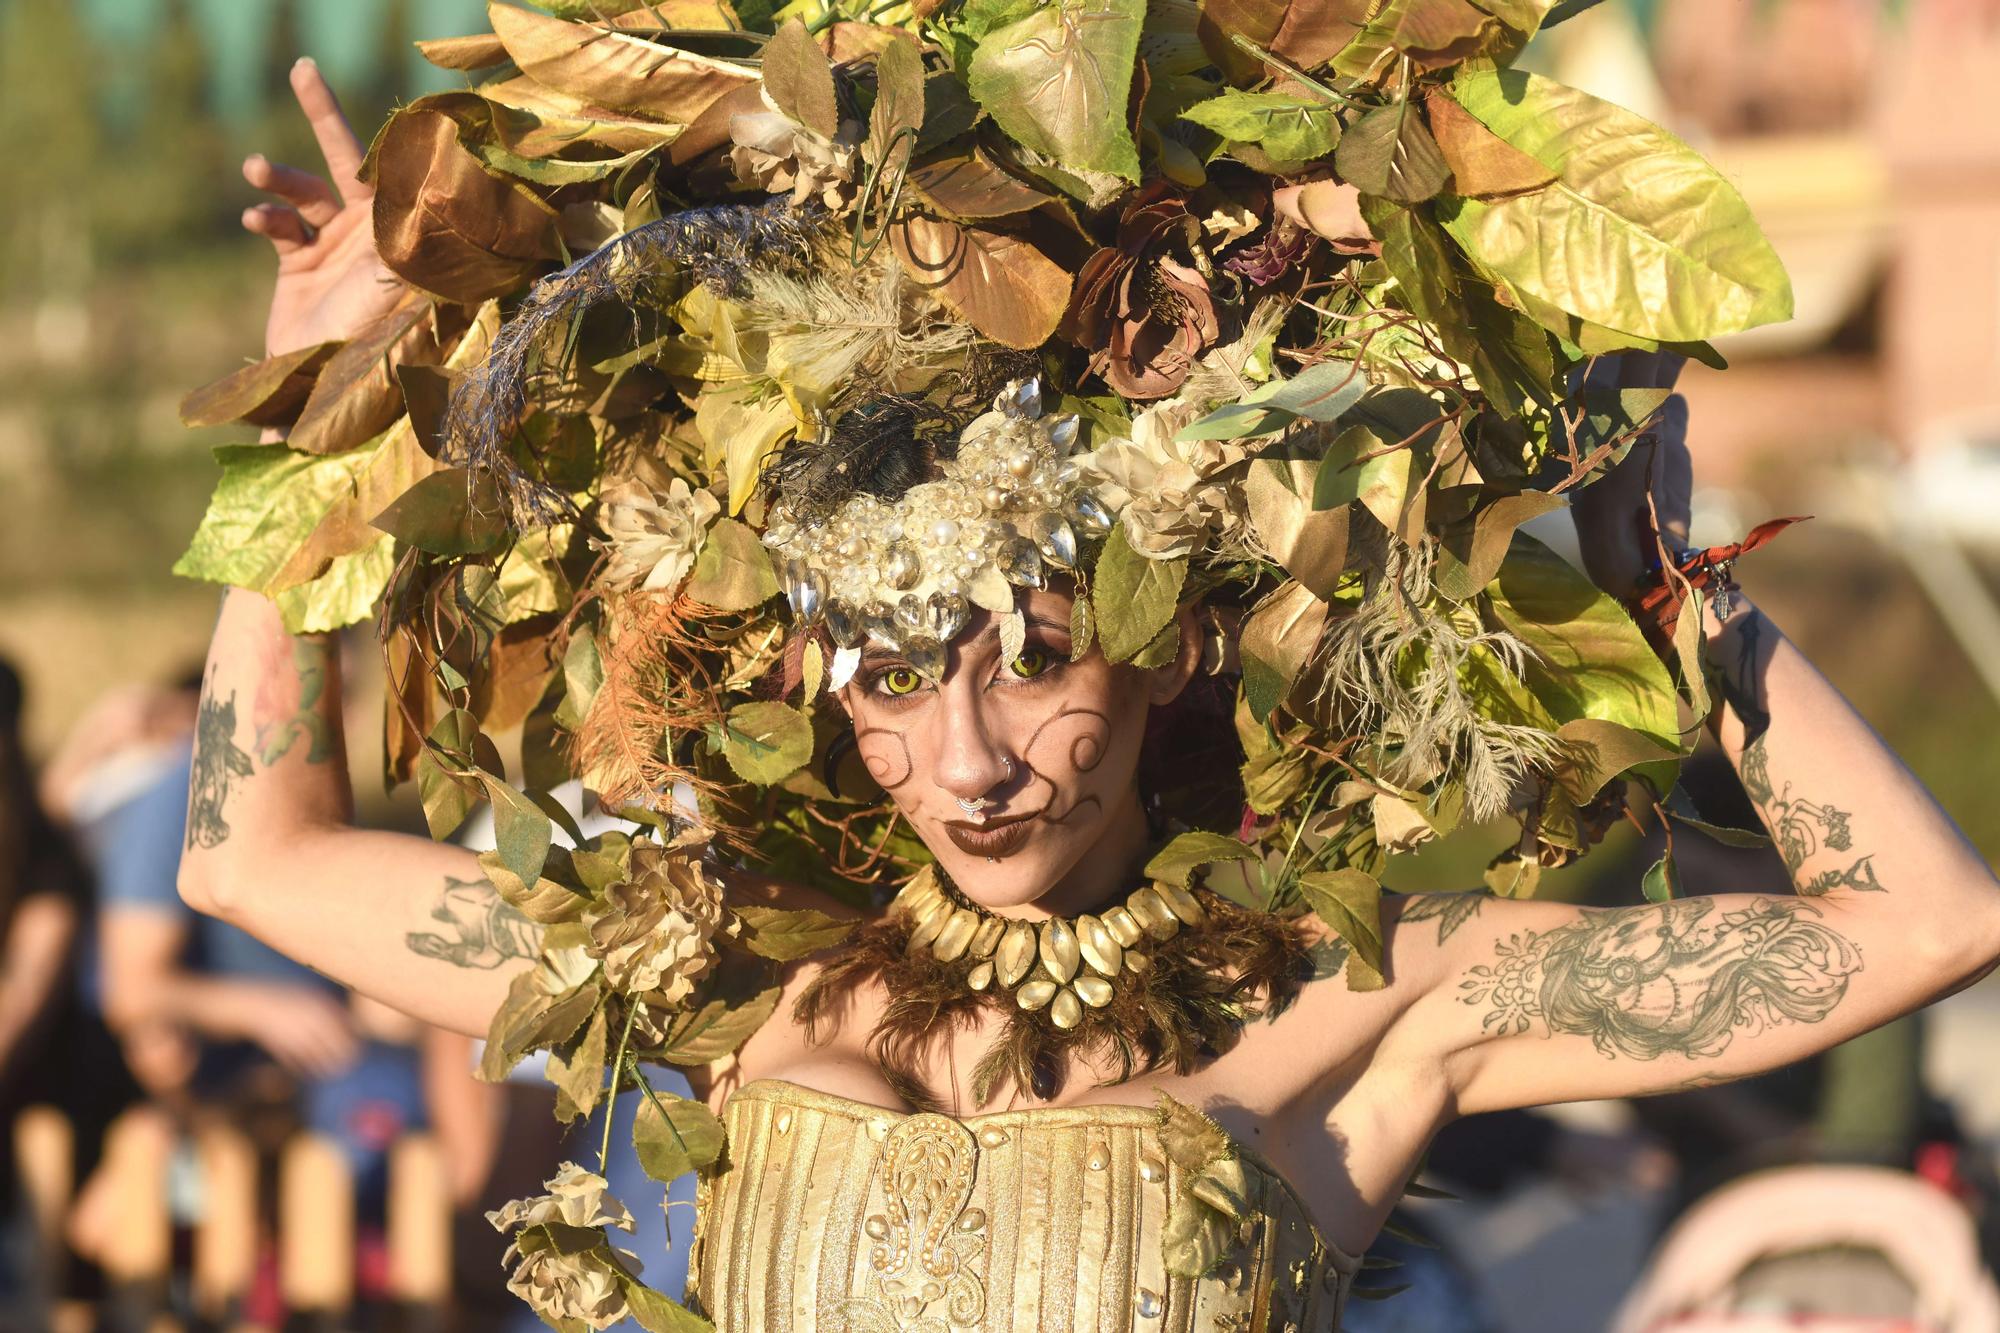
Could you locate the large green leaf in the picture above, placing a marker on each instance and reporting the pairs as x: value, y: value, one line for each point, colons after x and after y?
x: 1390, y: 152
x: 1287, y: 126
x: 1058, y: 80
x: 1318, y: 393
x: 1133, y: 596
x: 674, y: 1136
x: 1638, y: 233
x: 1589, y: 659
x: 766, y: 741
x: 265, y: 511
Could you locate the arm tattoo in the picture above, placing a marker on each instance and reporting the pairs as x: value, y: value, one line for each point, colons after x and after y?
x: 218, y: 759
x: 1801, y: 828
x: 1739, y: 679
x: 1449, y: 910
x: 275, y: 738
x: 480, y: 928
x: 1677, y: 979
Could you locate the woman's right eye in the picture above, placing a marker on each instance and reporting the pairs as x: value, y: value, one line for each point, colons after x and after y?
x: 899, y: 681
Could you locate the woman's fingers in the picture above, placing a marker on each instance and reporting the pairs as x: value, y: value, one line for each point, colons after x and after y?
x: 336, y: 141
x: 279, y: 224
x: 313, y: 197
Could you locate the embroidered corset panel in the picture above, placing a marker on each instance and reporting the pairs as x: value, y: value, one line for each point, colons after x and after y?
x: 833, y: 1216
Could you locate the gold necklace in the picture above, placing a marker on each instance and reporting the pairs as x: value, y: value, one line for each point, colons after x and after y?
x: 1081, y: 959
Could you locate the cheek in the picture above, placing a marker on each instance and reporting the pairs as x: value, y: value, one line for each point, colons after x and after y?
x: 884, y: 749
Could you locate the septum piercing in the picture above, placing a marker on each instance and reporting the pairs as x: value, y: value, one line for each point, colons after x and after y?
x: 976, y: 807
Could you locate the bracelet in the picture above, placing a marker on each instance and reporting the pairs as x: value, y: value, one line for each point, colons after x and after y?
x: 1657, y: 599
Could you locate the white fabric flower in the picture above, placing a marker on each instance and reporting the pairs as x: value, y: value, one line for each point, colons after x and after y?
x: 653, y: 538
x: 1172, y: 494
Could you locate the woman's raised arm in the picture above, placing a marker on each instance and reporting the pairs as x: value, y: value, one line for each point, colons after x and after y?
x: 270, y: 848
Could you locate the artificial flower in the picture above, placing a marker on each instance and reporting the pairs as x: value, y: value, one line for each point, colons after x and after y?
x: 776, y: 154
x: 559, y: 1286
x: 1144, y: 306
x: 575, y: 1198
x: 654, y: 932
x: 653, y: 538
x: 1173, y: 495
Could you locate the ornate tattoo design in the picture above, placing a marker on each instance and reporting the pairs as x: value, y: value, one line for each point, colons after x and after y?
x: 1449, y: 910
x: 1800, y: 828
x: 482, y: 929
x: 1678, y: 979
x: 218, y: 760
x: 279, y: 732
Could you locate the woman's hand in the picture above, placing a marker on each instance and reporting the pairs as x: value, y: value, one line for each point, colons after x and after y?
x: 1614, y: 523
x: 331, y: 281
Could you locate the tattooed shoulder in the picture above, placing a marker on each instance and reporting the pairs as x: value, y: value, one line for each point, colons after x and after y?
x: 1449, y: 910
x: 1683, y: 978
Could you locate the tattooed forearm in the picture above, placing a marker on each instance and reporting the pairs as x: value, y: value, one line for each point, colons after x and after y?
x: 278, y: 735
x: 1739, y: 685
x: 480, y: 928
x: 1449, y: 910
x: 1677, y: 979
x: 218, y: 761
x: 1859, y: 877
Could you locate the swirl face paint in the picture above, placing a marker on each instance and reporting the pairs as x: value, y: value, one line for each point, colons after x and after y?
x: 1063, y: 821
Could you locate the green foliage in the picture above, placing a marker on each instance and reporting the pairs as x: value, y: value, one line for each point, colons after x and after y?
x: 1290, y: 127
x: 1057, y: 81
x: 1133, y: 596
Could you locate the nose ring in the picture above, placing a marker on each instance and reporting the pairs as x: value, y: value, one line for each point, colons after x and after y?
x: 978, y: 804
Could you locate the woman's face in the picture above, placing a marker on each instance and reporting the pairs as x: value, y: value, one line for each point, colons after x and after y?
x: 1051, y: 746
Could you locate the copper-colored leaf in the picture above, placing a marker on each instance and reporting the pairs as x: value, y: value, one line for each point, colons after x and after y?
x: 548, y: 122
x: 798, y: 78
x: 898, y: 113
x: 1001, y: 285
x: 967, y: 185
x: 1257, y: 21
x: 356, y: 395
x: 615, y: 69
x: 1327, y: 208
x: 847, y: 41
x: 269, y: 393
x: 481, y: 50
x: 443, y: 222
x: 1483, y: 165
x: 1314, y: 30
x: 514, y: 673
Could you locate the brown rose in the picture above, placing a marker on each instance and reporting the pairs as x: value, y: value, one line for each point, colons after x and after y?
x: 1143, y: 309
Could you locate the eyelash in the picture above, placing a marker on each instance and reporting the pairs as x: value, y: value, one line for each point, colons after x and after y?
x: 873, y: 682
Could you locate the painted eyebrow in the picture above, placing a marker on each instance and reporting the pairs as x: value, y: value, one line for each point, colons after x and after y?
x: 875, y: 653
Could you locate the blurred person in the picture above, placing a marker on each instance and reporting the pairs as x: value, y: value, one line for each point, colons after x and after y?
x: 214, y: 1022
x: 53, y: 1050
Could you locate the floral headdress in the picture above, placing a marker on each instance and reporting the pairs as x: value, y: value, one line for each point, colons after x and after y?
x: 736, y: 338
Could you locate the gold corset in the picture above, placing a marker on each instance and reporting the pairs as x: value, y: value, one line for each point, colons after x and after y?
x: 833, y: 1216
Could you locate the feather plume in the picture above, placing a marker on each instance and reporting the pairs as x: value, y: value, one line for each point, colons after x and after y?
x: 836, y: 327
x: 659, y: 685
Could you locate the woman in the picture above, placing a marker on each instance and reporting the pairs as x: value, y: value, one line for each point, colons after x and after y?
x: 915, y: 1141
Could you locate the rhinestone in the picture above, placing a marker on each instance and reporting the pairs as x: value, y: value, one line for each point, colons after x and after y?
x: 1016, y: 953
x: 1180, y: 902
x: 1150, y: 1170
x: 1100, y: 1157
x: 972, y: 1219
x: 909, y: 614
x: 1148, y: 1304
x: 877, y: 1226
x: 1055, y: 538
x: 784, y: 1122
x: 980, y: 977
x: 1124, y: 927
x: 992, y: 1138
x: 945, y: 614
x: 954, y: 935
x: 1066, y: 1011
x: 1100, y: 949
x: 1059, y: 950
x: 929, y: 923
x: 1062, y: 431
x: 804, y: 588
x: 843, y: 625
x: 926, y: 655
x: 902, y: 568
x: 1093, y: 991
x: 1136, y: 963
x: 880, y: 622
x: 1089, y: 513
x: 986, y: 937
x: 1151, y: 912
x: 1022, y: 398
x: 1035, y: 994
x: 1019, y: 562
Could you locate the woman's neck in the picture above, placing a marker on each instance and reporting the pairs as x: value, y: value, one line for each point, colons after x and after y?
x: 1100, y: 874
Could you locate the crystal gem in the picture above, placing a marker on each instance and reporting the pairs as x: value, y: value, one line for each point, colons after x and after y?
x: 945, y: 614
x: 909, y: 613
x: 1062, y: 431
x: 902, y: 569
x: 1054, y: 536
x: 1149, y: 1304
x: 843, y: 625
x: 1021, y: 399
x: 804, y: 588
x: 926, y: 655
x: 1019, y: 562
x: 1066, y: 1011
x: 1089, y: 513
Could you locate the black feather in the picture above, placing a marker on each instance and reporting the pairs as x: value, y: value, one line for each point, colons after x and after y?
x: 881, y: 448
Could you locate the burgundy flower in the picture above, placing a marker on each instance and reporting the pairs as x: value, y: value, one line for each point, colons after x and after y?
x: 1271, y: 255
x: 1143, y: 309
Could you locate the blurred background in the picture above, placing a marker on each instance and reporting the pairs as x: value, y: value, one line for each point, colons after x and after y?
x: 239, y: 1146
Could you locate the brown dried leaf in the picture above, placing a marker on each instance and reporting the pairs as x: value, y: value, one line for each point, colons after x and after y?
x: 710, y: 130
x: 1314, y: 30
x: 1327, y: 208
x: 899, y: 100
x: 1001, y: 285
x: 798, y: 78
x: 546, y: 122
x: 443, y: 222
x: 1483, y: 165
x: 615, y: 69
x: 268, y: 393
x: 514, y: 673
x: 968, y: 185
x: 356, y: 395
x: 481, y: 50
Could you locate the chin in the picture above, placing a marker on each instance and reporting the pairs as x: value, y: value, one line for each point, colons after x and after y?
x: 1007, y: 868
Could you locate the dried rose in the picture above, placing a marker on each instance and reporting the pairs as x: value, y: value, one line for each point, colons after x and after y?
x: 1143, y: 309
x: 776, y: 154
x: 559, y: 1286
x: 654, y: 932
x: 576, y: 1198
x: 653, y: 538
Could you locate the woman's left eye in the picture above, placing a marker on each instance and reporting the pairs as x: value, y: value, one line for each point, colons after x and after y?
x: 1031, y: 663
x: 899, y: 681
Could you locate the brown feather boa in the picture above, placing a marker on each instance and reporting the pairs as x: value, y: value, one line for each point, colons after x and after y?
x: 1191, y: 1005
